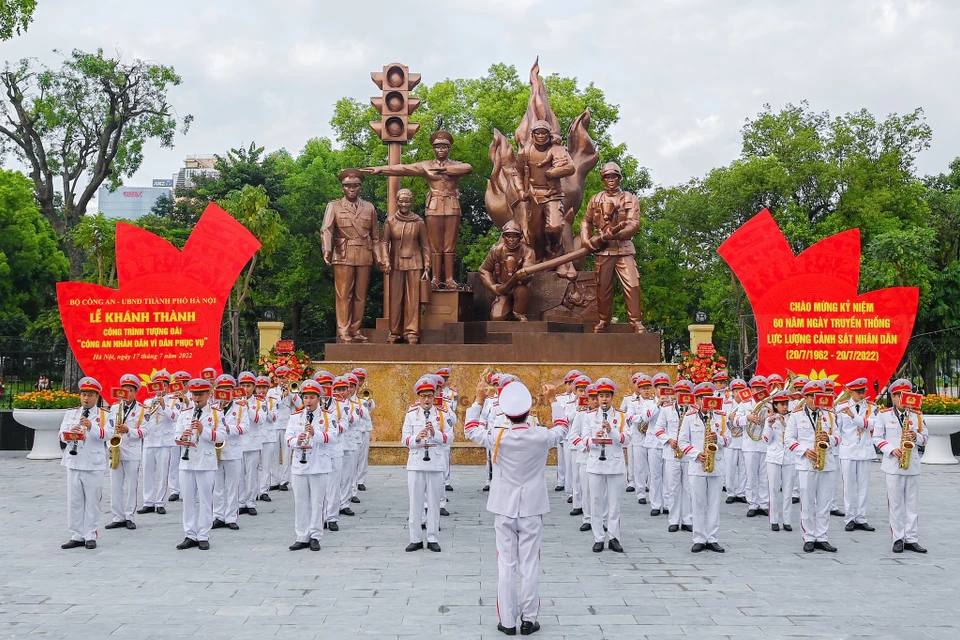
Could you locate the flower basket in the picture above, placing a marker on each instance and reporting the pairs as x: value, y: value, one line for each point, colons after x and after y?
x: 691, y: 366
x: 298, y: 362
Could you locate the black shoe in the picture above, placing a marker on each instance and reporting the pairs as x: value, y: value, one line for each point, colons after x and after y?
x: 666, y: 512
x: 577, y: 512
x: 187, y: 543
x: 333, y: 526
x: 913, y: 546
x: 297, y: 546
x: 615, y: 545
x: 850, y: 526
x: 347, y: 511
x: 597, y: 547
x: 730, y: 500
x: 673, y: 528
x: 72, y: 544
x: 415, y: 546
x: 686, y: 527
x: 314, y: 544
x: 90, y: 544
x: 486, y: 487
x: 423, y: 525
x: 274, y: 487
x: 204, y: 545
x: 284, y: 487
x: 631, y: 489
x: 698, y: 547
x: 795, y: 500
x: 173, y: 497
x: 218, y: 524
x: 162, y: 511
x: 655, y: 512
x: 355, y: 500
x: 444, y: 512
x: 762, y: 512
x: 559, y: 487
x: 265, y: 497
x: 115, y: 525
x: 642, y: 501
x: 742, y: 499
x: 898, y: 546
x: 751, y: 513
x: 361, y: 487
x: 527, y: 627
x: 146, y: 510
x: 325, y: 525
x: 569, y: 499
x: 825, y: 546
x: 433, y: 546
x: 447, y: 487
x: 838, y: 513
x: 715, y: 547
x: 510, y: 631
x: 585, y: 527
x: 251, y: 511
x: 131, y: 524
x: 775, y: 527
x: 808, y: 547
x: 863, y: 526
x: 233, y: 526
x: 243, y: 510
x: 787, y: 527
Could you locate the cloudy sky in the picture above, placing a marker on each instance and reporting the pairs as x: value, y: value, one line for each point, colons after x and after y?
x: 686, y: 73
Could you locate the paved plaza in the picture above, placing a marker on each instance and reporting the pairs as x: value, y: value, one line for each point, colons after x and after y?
x: 136, y: 585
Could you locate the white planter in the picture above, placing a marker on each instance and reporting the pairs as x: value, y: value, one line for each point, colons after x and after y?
x: 939, y: 428
x: 46, y: 426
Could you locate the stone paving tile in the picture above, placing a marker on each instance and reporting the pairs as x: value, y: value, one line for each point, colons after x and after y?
x: 362, y: 583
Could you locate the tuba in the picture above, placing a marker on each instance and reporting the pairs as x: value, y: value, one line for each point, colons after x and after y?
x: 709, y: 448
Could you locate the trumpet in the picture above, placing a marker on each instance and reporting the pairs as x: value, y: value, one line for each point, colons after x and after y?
x: 366, y: 394
x: 294, y: 386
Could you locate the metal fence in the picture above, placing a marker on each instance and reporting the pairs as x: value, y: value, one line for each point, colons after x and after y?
x: 22, y: 362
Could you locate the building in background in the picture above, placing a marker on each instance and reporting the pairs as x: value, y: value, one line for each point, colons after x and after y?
x: 132, y: 203
x: 193, y: 166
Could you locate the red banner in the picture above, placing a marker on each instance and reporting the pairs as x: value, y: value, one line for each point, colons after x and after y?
x: 810, y: 317
x: 168, y: 309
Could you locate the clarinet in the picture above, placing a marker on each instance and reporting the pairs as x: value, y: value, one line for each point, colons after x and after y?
x: 196, y: 416
x: 303, y: 452
x: 73, y: 447
x: 603, y: 446
x: 426, y: 420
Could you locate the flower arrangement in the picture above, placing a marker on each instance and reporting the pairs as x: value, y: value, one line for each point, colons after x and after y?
x: 700, y: 368
x: 46, y: 399
x: 298, y: 362
x: 934, y: 405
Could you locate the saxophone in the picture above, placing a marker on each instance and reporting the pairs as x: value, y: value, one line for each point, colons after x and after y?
x: 821, y: 446
x: 709, y: 448
x: 113, y: 445
x: 906, y: 446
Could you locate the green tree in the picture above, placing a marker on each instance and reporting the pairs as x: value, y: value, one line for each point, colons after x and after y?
x: 15, y: 17
x: 97, y: 236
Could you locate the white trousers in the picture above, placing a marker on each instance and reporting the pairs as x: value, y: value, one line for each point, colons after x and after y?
x: 446, y: 469
x: 640, y: 468
x: 562, y: 464
x: 659, y: 494
x: 283, y: 469
x: 780, y: 479
x: 309, y: 492
x: 734, y: 473
x: 250, y: 482
x: 573, y: 475
x: 605, y: 490
x: 705, y: 499
x: 755, y: 463
x: 424, y: 486
x: 156, y: 471
x: 124, y: 490
x: 518, y: 546
x: 816, y: 494
x: 837, y: 491
x: 678, y: 483
x: 269, y: 466
x: 856, y: 488
x: 903, y: 498
x: 363, y: 460
x: 173, y: 471
x: 84, y: 489
x: 226, y: 490
x: 197, y: 495
x: 332, y: 501
x: 348, y: 477
x: 626, y: 457
x: 585, y: 490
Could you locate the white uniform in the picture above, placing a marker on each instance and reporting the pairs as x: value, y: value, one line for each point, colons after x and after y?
x: 856, y: 455
x: 754, y: 454
x: 159, y: 451
x: 607, y: 477
x: 449, y: 425
x: 332, y: 501
x: 311, y: 470
x: 519, y: 500
x: 490, y: 416
x: 363, y: 453
x: 226, y: 486
x: 903, y: 485
x: 198, y: 472
x: 578, y: 451
x: 259, y: 419
x: 425, y: 477
x: 269, y: 445
x: 816, y: 487
x: 781, y: 469
x: 124, y: 480
x: 705, y: 488
x: 734, y: 471
x: 285, y: 405
x: 450, y: 401
x: 573, y: 456
x: 85, y: 471
x: 645, y: 418
x: 638, y: 467
x: 676, y: 473
x: 351, y: 446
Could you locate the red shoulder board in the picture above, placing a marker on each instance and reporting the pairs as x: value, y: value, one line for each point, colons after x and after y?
x: 297, y: 412
x: 798, y: 409
x: 886, y: 410
x: 413, y: 408
x: 690, y: 412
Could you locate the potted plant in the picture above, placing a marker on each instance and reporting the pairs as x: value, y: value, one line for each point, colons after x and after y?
x: 941, y: 417
x: 43, y: 412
